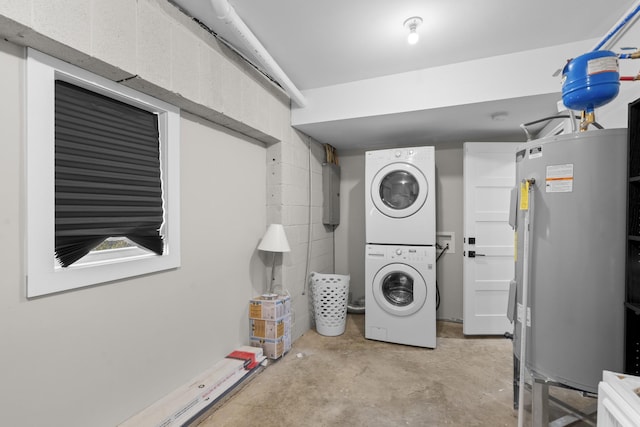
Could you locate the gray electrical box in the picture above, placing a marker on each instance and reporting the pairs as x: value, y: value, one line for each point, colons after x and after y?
x: 330, y: 194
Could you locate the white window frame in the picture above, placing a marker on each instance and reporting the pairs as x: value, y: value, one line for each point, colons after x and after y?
x: 43, y: 274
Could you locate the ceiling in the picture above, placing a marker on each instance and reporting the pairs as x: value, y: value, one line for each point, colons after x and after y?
x: 329, y: 42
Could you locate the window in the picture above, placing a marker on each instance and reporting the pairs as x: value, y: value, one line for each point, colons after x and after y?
x: 102, y: 179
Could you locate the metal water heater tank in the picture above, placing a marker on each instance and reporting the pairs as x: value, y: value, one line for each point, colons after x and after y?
x: 577, y: 256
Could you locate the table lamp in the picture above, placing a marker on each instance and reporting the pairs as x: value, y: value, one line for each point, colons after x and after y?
x: 274, y: 240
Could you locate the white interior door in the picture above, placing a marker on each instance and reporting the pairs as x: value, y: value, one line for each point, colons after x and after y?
x: 488, y: 263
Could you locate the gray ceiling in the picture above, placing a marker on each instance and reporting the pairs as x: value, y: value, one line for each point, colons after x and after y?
x: 323, y: 43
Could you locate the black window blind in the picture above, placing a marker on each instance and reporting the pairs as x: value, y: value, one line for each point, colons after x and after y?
x: 107, y: 173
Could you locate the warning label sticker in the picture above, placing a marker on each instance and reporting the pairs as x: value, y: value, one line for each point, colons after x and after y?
x: 559, y: 178
x: 602, y: 65
x: 535, y: 152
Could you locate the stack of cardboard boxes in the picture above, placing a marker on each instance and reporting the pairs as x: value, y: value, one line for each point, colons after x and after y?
x: 270, y: 324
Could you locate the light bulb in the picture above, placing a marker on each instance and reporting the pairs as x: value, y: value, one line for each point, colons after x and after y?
x: 412, y: 25
x: 413, y: 37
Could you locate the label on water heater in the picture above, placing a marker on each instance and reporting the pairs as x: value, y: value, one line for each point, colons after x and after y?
x: 559, y: 178
x: 535, y: 152
x: 520, y: 312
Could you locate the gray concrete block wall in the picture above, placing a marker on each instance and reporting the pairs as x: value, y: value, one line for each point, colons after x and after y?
x: 173, y: 57
x: 53, y: 18
x: 302, y: 152
x: 154, y: 46
x: 19, y: 10
x: 113, y: 32
x: 162, y: 52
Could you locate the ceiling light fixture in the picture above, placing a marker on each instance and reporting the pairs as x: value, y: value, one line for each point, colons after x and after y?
x: 412, y: 24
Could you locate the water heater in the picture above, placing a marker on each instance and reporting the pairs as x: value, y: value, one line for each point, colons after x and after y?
x: 576, y: 280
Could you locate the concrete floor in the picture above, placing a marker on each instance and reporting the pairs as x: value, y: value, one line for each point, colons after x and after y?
x: 351, y: 381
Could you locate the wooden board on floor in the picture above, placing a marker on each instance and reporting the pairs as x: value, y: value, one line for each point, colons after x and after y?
x: 185, y: 403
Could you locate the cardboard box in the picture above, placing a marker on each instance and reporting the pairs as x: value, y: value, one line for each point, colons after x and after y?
x: 272, y: 329
x: 269, y: 309
x: 273, y: 348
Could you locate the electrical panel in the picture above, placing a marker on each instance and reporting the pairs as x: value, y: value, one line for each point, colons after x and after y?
x: 331, y: 194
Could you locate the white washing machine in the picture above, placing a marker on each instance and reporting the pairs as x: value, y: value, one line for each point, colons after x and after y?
x: 401, y: 197
x: 400, y: 294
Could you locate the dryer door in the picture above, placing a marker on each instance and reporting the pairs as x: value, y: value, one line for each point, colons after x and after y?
x: 399, y: 190
x: 399, y: 289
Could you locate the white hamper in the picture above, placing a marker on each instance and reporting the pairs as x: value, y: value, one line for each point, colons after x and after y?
x: 330, y: 293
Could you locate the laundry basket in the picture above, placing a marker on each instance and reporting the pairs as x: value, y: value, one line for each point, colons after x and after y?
x: 330, y: 293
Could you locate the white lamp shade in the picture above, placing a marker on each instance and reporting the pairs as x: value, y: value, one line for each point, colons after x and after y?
x: 274, y: 240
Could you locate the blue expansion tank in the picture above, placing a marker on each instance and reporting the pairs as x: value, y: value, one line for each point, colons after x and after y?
x: 590, y: 80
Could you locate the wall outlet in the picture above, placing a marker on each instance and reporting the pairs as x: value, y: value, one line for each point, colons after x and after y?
x: 444, y: 238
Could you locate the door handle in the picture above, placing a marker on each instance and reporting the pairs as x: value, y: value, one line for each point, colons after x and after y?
x: 473, y: 254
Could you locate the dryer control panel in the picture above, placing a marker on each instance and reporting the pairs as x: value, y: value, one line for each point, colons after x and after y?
x: 409, y: 155
x: 398, y: 253
x: 409, y: 254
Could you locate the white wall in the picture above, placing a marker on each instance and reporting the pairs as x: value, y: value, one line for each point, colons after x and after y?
x: 449, y: 218
x: 474, y: 81
x: 614, y: 114
x: 96, y: 356
x: 350, y: 234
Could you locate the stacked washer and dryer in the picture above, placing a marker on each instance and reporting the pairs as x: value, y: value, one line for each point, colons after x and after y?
x: 400, y: 253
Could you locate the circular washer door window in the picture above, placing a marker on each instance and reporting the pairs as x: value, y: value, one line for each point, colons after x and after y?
x: 399, y: 289
x: 399, y: 190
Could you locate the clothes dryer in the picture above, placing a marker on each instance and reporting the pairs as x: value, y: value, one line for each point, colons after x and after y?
x: 400, y: 294
x: 400, y: 196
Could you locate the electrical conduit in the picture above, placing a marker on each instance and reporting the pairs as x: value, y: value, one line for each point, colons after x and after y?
x: 226, y: 13
x: 525, y: 293
x: 310, y: 218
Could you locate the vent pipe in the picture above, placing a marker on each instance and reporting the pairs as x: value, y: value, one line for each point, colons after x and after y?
x: 226, y: 13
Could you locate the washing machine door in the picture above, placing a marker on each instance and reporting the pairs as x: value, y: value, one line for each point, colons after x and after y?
x: 399, y: 289
x: 399, y: 190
